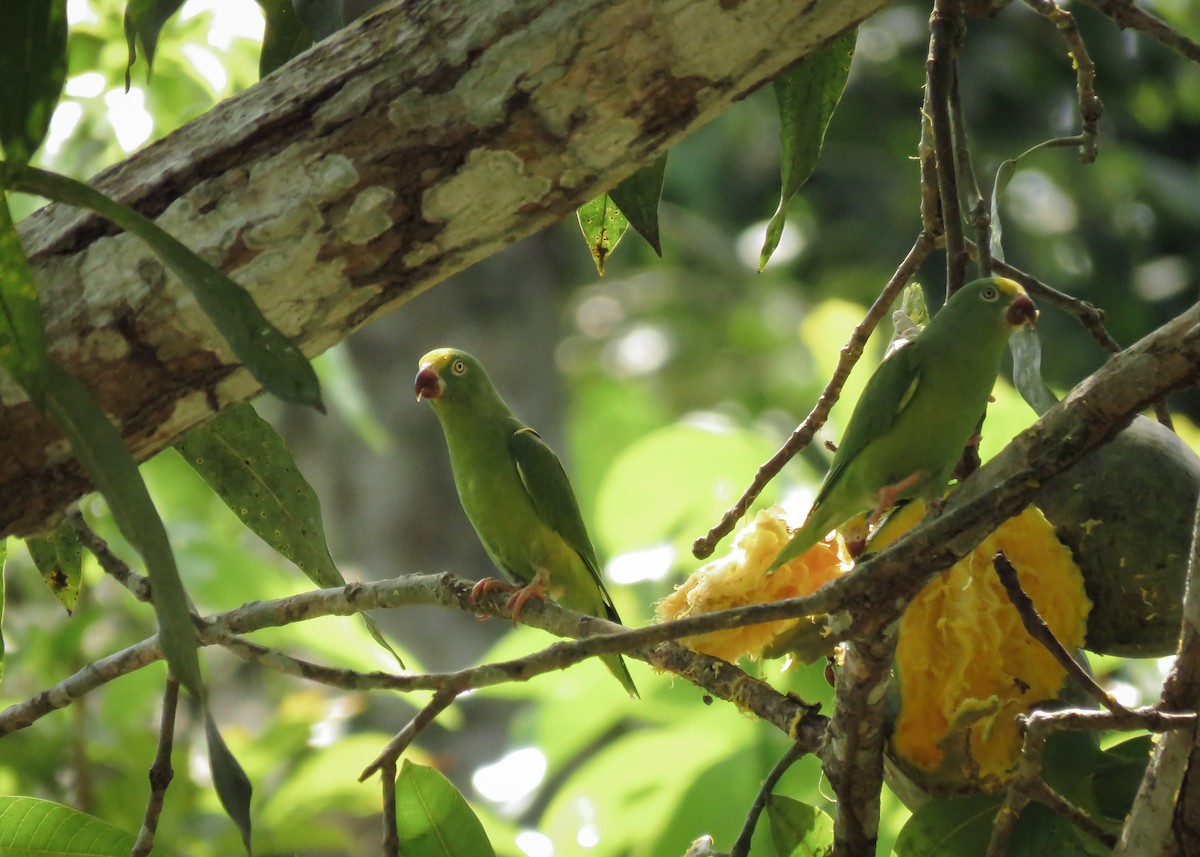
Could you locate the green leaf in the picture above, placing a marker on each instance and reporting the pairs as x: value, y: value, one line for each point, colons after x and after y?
x: 602, y: 224
x: 807, y: 95
x: 3, y: 562
x: 102, y: 452
x: 637, y: 198
x: 797, y: 829
x: 270, y: 356
x: 144, y: 20
x: 433, y: 819
x: 962, y: 827
x: 22, y: 339
x: 59, y: 559
x: 30, y: 826
x: 285, y: 35
x: 249, y: 466
x: 230, y: 781
x: 1026, y: 349
x: 33, y: 66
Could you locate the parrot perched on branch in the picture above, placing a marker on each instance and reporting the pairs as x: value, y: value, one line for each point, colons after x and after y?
x: 516, y: 494
x: 918, y: 411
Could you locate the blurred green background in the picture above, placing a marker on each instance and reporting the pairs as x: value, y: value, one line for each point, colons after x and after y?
x: 663, y: 385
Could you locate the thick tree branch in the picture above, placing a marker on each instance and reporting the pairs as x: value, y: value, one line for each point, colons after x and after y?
x: 418, y: 141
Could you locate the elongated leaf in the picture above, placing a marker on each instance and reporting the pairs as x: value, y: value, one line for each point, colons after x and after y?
x: 29, y: 826
x: 3, y: 563
x: 637, y: 198
x: 270, y: 356
x: 144, y: 20
x: 807, y: 96
x: 602, y: 224
x: 33, y: 66
x: 285, y: 35
x: 797, y: 829
x: 249, y: 466
x: 22, y: 339
x: 59, y: 559
x: 433, y: 819
x: 230, y: 781
x: 102, y: 452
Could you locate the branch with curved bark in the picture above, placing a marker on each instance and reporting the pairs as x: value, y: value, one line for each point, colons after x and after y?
x: 421, y: 139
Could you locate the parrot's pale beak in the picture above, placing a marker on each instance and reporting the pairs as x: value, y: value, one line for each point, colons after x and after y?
x: 1021, y: 311
x: 429, y: 383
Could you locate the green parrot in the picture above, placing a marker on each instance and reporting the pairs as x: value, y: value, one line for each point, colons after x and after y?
x: 918, y: 411
x: 516, y: 495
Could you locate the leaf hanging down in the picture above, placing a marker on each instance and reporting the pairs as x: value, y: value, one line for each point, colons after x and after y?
x: 33, y: 66
x: 249, y: 466
x: 144, y: 20
x: 32, y: 826
x: 22, y: 338
x: 100, y: 449
x: 59, y: 560
x: 602, y: 224
x: 270, y: 356
x: 284, y: 37
x: 230, y: 781
x: 433, y: 819
x: 637, y: 197
x: 807, y: 96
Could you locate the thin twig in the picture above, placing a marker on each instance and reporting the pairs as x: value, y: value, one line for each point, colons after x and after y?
x: 391, y: 835
x: 161, y: 772
x: 440, y: 702
x: 1037, y: 628
x: 1090, y: 107
x: 741, y: 848
x: 1126, y: 14
x: 980, y: 205
x: 112, y: 564
x: 803, y: 435
x: 945, y: 38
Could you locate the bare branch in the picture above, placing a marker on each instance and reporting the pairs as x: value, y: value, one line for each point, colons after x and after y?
x: 1125, y: 13
x: 161, y: 772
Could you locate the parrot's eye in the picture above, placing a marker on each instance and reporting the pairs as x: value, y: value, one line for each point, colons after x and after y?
x: 989, y: 293
x: 458, y: 367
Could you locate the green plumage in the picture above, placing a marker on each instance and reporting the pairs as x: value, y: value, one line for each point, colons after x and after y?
x: 515, y: 491
x: 919, y: 410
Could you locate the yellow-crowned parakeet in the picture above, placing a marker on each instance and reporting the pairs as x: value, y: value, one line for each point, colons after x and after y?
x: 516, y: 494
x: 918, y: 411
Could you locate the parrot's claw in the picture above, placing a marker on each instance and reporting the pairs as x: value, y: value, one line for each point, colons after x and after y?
x: 486, y: 585
x: 889, y: 494
x: 516, y: 603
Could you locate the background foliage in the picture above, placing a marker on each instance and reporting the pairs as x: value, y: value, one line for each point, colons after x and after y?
x: 664, y: 385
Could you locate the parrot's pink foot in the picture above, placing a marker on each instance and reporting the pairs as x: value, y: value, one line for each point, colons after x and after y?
x: 489, y: 584
x: 888, y: 494
x: 536, y: 589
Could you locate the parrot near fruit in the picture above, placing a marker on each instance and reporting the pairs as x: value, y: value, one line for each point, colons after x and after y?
x: 918, y: 411
x: 516, y: 494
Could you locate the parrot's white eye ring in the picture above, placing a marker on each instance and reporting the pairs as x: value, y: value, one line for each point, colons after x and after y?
x: 989, y: 293
x: 458, y: 367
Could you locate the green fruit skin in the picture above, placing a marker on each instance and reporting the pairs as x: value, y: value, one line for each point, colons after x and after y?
x: 1126, y: 512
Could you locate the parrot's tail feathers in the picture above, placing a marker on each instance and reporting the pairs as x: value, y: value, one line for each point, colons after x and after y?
x: 616, y: 666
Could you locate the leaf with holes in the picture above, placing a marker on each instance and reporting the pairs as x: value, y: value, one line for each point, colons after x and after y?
x: 59, y: 560
x: 249, y: 466
x: 602, y: 224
